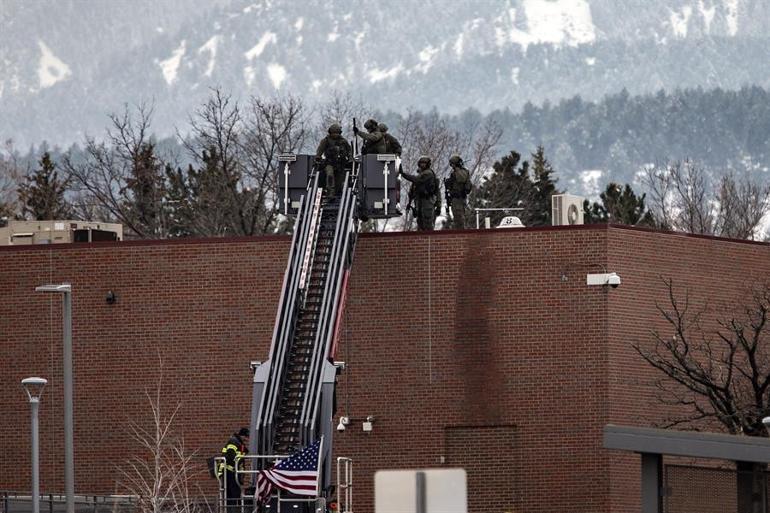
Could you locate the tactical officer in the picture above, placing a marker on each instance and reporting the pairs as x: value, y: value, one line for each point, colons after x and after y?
x: 235, y: 448
x: 374, y: 140
x: 391, y: 143
x: 458, y: 186
x: 427, y: 192
x: 334, y: 151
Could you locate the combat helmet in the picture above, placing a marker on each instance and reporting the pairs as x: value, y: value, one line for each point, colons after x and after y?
x: 382, y: 127
x: 335, y: 128
x: 370, y: 124
x: 424, y: 158
x: 456, y: 160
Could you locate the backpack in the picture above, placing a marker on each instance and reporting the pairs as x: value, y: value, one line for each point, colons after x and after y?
x: 430, y: 187
x: 211, y: 464
x: 463, y: 185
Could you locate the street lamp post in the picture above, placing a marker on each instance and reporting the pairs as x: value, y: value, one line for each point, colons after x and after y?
x: 65, y: 289
x: 34, y: 388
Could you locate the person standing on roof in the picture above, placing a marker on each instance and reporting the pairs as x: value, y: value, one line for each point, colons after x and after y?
x: 235, y: 448
x: 374, y: 140
x: 391, y: 143
x: 427, y: 191
x: 334, y: 154
x: 458, y: 185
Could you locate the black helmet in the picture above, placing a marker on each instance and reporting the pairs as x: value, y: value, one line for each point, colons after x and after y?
x: 335, y: 128
x: 382, y: 127
x: 370, y: 124
x: 456, y: 160
x: 244, y: 432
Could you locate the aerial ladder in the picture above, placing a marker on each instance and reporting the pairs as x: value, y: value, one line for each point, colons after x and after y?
x: 293, y: 398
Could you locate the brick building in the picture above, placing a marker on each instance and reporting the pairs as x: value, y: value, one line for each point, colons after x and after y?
x: 478, y: 349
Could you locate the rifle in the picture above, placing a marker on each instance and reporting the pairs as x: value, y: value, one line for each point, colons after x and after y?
x: 355, y: 139
x: 448, y: 199
x: 409, y: 205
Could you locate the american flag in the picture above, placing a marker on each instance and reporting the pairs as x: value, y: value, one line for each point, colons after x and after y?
x: 297, y: 474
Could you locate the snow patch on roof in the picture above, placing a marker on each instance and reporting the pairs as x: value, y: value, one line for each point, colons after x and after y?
x: 50, y: 69
x: 170, y: 66
x: 679, y: 21
x: 332, y: 36
x: 211, y: 48
x: 276, y: 73
x: 590, y: 61
x: 707, y: 13
x: 257, y: 49
x: 551, y: 21
x: 299, y: 24
x: 377, y: 75
x: 731, y: 8
x: 590, y: 180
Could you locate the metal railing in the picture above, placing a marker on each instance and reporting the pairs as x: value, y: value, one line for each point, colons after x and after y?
x: 345, y: 485
x: 479, y: 210
x: 285, y: 318
x: 21, y: 502
x: 246, y: 469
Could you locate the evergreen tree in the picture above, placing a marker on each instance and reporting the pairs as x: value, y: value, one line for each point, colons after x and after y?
x: 42, y: 194
x: 544, y: 187
x: 511, y: 185
x: 199, y: 199
x: 145, y: 192
x: 620, y: 205
x: 506, y: 187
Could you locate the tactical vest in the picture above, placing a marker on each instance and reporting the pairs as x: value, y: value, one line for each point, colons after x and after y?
x: 336, y: 151
x: 460, y: 183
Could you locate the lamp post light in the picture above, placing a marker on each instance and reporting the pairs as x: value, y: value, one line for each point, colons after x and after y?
x: 65, y: 289
x: 34, y: 388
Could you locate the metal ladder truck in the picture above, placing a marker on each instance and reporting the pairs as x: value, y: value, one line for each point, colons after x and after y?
x: 293, y: 397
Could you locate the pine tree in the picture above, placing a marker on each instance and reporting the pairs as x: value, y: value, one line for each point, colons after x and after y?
x: 506, y: 187
x: 544, y: 187
x: 620, y: 205
x: 509, y: 186
x: 42, y: 196
x: 146, y: 192
x: 200, y: 199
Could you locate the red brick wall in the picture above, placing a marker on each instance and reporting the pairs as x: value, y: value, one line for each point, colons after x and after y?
x: 715, y: 273
x: 491, y: 338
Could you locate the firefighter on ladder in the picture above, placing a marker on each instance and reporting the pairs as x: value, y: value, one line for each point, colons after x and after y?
x: 234, y: 449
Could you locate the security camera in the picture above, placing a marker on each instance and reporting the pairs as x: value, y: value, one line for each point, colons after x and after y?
x: 613, y: 280
x: 344, y: 421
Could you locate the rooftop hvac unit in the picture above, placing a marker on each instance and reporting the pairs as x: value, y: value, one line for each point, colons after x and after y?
x: 566, y: 209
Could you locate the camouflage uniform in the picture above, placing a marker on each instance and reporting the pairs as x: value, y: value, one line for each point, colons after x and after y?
x: 427, y: 194
x: 374, y: 140
x: 335, y: 151
x: 457, y: 187
x: 391, y: 143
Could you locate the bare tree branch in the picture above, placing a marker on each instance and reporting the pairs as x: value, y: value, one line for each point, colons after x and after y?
x: 720, y: 374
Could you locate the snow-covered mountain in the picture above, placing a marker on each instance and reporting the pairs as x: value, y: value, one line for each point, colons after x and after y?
x: 65, y: 64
